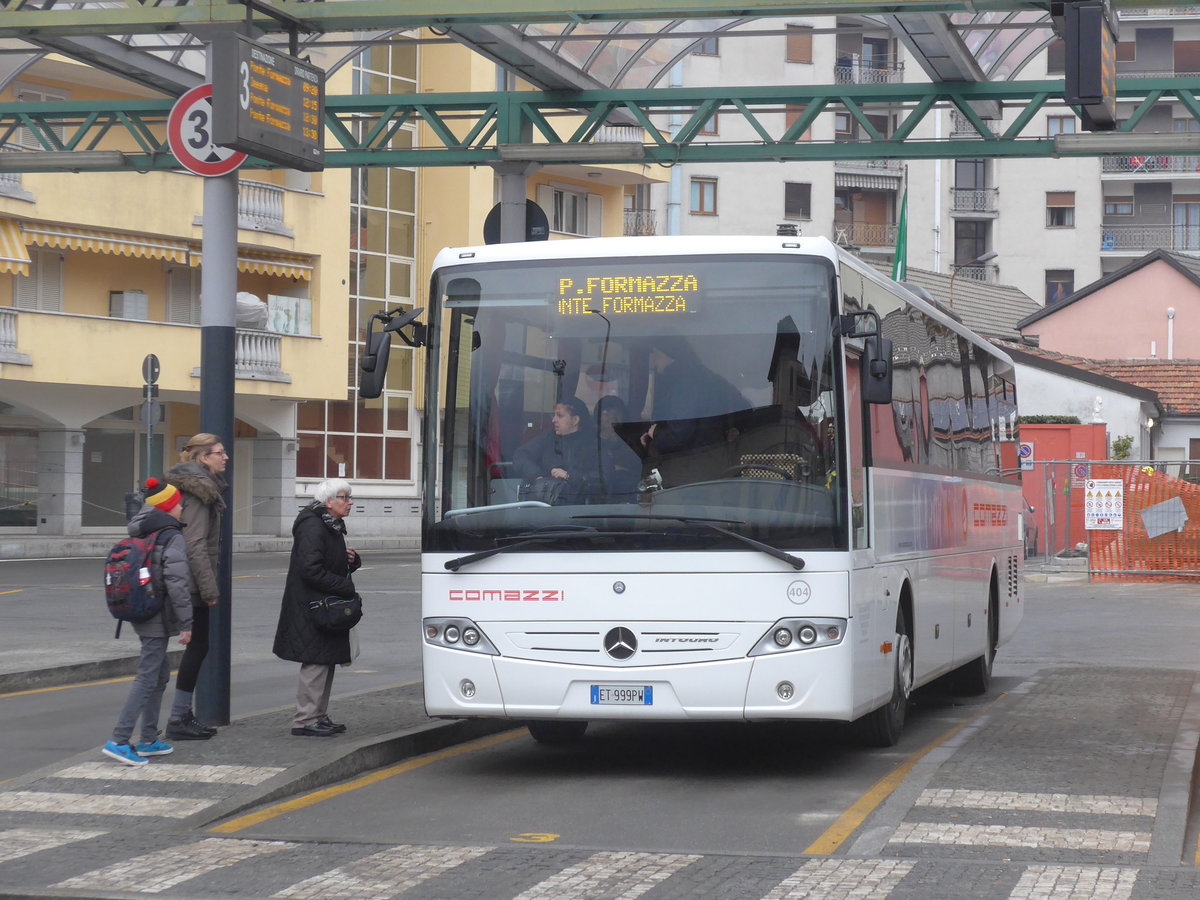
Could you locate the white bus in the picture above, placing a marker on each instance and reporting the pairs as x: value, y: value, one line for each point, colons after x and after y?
x: 696, y: 479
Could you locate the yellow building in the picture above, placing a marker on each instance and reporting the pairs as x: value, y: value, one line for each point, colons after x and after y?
x: 98, y: 270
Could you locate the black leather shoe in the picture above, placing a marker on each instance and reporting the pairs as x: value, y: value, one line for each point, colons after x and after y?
x: 188, y: 728
x: 314, y: 730
x: 329, y: 723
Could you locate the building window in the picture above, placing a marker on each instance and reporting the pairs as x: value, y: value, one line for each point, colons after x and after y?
x: 42, y: 288
x: 1118, y: 206
x: 704, y: 197
x: 183, y: 295
x: 1060, y: 284
x: 970, y: 174
x: 790, y: 115
x: 1060, y: 125
x: 797, y: 200
x: 843, y: 127
x: 25, y: 94
x: 709, y: 127
x: 572, y: 210
x: 970, y: 240
x: 355, y: 438
x: 706, y: 47
x: 1060, y: 209
x: 799, y: 43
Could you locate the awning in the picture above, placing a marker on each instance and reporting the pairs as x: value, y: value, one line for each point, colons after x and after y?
x: 14, y: 257
x: 867, y: 182
x: 258, y: 262
x: 117, y: 243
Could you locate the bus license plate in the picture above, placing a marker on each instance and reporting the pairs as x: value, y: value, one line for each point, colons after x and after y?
x: 622, y: 695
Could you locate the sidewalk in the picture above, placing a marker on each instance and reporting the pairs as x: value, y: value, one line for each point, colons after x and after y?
x: 96, y: 544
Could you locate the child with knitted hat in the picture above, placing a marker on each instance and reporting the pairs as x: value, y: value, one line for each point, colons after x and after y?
x: 169, y: 570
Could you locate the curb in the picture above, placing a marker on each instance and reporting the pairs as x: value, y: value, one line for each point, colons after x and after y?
x: 97, y: 670
x: 365, y: 755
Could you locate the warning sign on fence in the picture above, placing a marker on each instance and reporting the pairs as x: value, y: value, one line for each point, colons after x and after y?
x: 1104, y: 504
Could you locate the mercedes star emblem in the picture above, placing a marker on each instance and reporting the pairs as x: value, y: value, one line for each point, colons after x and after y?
x: 620, y: 643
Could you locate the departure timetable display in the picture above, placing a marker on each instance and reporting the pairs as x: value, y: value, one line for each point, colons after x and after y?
x: 617, y: 295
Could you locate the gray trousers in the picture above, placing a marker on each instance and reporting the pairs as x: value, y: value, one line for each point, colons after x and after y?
x: 145, y: 694
x: 312, y: 693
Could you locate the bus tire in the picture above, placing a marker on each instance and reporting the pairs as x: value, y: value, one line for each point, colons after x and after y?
x: 974, y: 678
x: 554, y: 732
x: 882, y: 727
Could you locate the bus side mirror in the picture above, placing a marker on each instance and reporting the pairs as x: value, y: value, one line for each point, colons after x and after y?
x: 374, y: 365
x: 876, y: 378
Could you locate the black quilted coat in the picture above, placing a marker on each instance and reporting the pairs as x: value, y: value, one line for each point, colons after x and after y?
x: 319, y: 568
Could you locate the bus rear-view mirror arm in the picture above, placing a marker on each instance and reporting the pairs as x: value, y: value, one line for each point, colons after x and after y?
x: 379, y: 343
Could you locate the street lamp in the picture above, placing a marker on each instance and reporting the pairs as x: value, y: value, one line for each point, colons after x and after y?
x: 982, y: 257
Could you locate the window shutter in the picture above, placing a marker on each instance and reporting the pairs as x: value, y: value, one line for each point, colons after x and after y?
x: 545, y: 199
x: 50, y: 282
x: 182, y: 308
x: 595, y: 215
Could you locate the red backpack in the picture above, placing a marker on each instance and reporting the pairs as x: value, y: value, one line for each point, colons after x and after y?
x: 133, y: 587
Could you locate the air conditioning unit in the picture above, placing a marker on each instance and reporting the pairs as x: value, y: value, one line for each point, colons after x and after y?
x: 128, y: 305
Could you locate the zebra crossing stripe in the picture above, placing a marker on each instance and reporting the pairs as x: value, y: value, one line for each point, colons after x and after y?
x: 101, y: 804
x: 1093, y: 882
x: 182, y: 772
x: 843, y: 879
x: 383, y: 874
x: 947, y: 834
x: 163, y: 869
x: 1093, y: 804
x: 18, y: 842
x: 610, y: 874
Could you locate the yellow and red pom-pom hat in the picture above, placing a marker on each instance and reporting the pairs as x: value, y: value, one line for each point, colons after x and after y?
x: 162, y: 496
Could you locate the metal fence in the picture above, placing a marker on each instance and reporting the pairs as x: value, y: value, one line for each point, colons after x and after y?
x: 1133, y: 520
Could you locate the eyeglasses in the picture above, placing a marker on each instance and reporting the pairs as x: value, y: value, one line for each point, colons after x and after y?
x: 217, y: 453
x: 346, y: 497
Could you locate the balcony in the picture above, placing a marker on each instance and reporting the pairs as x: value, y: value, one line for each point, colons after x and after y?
x: 961, y: 127
x: 8, y: 339
x: 973, y: 201
x: 1138, y: 239
x: 865, y: 234
x: 855, y: 71
x: 640, y: 222
x: 1158, y: 12
x: 256, y: 357
x: 260, y: 208
x: 986, y: 273
x: 1150, y: 165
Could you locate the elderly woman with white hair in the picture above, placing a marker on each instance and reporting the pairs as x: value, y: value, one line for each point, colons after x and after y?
x: 320, y: 568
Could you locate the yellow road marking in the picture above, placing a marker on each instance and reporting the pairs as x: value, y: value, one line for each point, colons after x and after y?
x: 14, y: 591
x: 845, y: 824
x: 311, y: 799
x: 536, y: 837
x: 69, y: 687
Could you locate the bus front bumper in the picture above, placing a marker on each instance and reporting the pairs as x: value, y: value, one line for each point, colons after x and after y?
x: 813, y: 684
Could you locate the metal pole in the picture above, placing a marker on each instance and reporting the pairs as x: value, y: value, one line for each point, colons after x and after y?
x: 218, y: 337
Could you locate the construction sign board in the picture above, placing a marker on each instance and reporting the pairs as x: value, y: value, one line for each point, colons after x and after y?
x: 1104, y: 504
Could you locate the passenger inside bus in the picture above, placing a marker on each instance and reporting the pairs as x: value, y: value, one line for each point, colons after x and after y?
x: 691, y: 402
x: 560, y: 466
x: 620, y: 467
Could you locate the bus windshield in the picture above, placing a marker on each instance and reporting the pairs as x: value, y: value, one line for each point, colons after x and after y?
x: 667, y: 402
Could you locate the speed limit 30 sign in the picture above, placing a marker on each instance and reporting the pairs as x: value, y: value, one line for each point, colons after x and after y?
x: 190, y: 135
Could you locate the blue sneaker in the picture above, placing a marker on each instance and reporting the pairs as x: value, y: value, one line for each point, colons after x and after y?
x: 123, y: 753
x: 154, y: 748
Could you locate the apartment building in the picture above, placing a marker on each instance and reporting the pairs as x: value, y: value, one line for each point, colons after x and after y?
x: 1053, y: 225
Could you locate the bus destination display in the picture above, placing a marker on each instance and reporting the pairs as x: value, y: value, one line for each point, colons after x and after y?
x: 665, y: 293
x: 268, y: 104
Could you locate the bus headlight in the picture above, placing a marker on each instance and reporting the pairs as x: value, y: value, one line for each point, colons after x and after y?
x: 808, y: 633
x: 458, y: 634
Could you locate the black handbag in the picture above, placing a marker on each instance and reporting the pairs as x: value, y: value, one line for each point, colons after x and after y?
x: 335, y: 614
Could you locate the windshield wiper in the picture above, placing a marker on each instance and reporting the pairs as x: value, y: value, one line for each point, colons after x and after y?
x: 794, y: 561
x: 519, y: 540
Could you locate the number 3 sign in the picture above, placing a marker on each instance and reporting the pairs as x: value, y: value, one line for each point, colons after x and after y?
x: 189, y: 135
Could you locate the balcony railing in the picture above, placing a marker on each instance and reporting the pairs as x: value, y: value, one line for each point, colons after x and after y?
x: 260, y: 207
x: 10, y: 184
x: 1137, y: 165
x: 1143, y: 238
x: 981, y: 200
x: 859, y: 72
x: 864, y: 234
x: 1159, y: 11
x: 257, y: 356
x: 960, y: 125
x: 985, y: 272
x: 8, y: 338
x: 640, y: 222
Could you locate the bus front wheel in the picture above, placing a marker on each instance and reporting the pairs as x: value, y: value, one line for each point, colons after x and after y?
x: 882, y: 727
x: 556, y: 732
